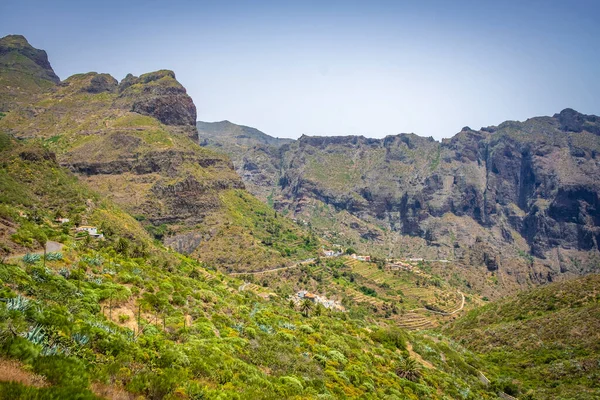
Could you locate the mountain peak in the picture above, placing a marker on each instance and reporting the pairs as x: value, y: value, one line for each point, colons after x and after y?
x: 13, y: 45
x: 14, y: 41
x: 573, y: 121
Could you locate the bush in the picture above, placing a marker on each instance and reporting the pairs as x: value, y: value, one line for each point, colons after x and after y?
x: 393, y: 337
x: 24, y: 350
x: 63, y: 371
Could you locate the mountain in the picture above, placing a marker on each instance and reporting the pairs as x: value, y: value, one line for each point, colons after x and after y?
x: 518, y: 201
x: 135, y: 142
x: 545, y: 341
x: 25, y: 71
x: 255, y: 154
x: 194, y: 288
x: 124, y: 317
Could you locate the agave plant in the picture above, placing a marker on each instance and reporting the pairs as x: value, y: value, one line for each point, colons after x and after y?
x: 56, y: 256
x: 31, y: 258
x: 239, y: 327
x: 18, y: 303
x: 36, y: 335
x: 266, y: 329
x: 64, y: 272
x: 95, y: 261
x: 51, y: 350
x: 408, y: 369
x: 288, y: 325
x: 80, y: 339
x: 104, y: 327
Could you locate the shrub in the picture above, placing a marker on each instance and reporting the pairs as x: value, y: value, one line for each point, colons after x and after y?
x: 392, y: 336
x: 24, y: 350
x: 63, y: 371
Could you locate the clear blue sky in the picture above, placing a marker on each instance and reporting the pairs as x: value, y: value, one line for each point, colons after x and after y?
x: 342, y: 67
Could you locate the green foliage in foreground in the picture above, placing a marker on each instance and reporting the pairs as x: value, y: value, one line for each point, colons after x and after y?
x: 197, y: 337
x: 545, y: 339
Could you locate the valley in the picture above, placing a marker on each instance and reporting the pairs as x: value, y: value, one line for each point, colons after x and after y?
x: 144, y: 254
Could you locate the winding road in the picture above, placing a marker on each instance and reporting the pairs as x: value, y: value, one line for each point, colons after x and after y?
x: 266, y: 271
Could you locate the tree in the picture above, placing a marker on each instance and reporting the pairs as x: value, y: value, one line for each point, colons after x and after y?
x: 306, y: 307
x: 107, y: 230
x: 122, y: 246
x: 319, y: 310
x: 408, y: 369
x: 350, y: 251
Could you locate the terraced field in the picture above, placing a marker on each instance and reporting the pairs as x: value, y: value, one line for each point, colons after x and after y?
x: 411, y: 290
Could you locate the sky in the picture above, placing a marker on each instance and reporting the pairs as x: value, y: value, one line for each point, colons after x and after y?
x: 371, y: 68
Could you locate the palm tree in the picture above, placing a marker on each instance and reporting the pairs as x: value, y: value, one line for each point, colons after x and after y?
x: 408, y: 369
x: 306, y: 307
x: 319, y: 310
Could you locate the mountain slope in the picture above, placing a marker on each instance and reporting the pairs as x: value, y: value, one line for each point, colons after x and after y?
x: 546, y: 339
x: 126, y: 317
x: 135, y: 142
x: 255, y: 155
x: 519, y: 200
x: 26, y: 71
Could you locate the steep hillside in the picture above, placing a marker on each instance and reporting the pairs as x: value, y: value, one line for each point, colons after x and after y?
x: 123, y: 317
x: 135, y: 142
x: 546, y: 340
x: 519, y: 200
x: 26, y: 72
x: 256, y: 156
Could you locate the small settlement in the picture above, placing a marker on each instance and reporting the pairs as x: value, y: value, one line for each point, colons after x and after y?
x: 324, y: 301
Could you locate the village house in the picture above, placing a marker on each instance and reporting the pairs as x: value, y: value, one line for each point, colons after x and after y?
x: 332, y: 253
x: 361, y: 258
x: 91, y: 230
x: 325, y: 302
x: 62, y: 220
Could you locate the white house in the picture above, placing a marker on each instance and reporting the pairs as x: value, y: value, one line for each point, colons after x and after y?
x: 91, y: 230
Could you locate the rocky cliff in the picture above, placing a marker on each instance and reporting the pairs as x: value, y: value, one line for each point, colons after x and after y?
x: 256, y: 155
x: 135, y: 142
x: 519, y: 199
x: 26, y: 71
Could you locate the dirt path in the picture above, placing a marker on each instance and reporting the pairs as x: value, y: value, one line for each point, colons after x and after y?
x: 14, y: 371
x: 418, y: 357
x: 446, y: 313
x: 51, y: 247
x: 266, y: 271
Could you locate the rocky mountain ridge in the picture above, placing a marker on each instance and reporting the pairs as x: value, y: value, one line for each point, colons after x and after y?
x: 520, y: 198
x: 135, y: 142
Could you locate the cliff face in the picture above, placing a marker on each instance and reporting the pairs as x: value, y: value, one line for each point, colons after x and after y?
x: 521, y: 197
x: 26, y: 71
x: 255, y: 155
x: 135, y: 142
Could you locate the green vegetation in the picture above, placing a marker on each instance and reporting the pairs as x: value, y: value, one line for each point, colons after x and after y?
x: 125, y: 313
x: 544, y: 339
